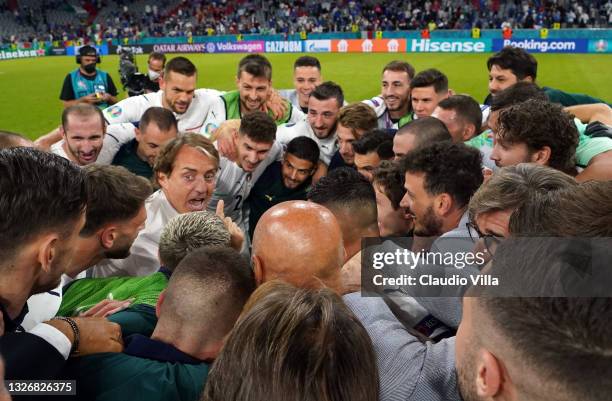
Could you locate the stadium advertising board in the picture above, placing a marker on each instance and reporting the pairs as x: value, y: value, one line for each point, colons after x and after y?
x: 544, y: 45
x: 318, y: 46
x: 73, y: 50
x: 291, y: 46
x: 600, y: 46
x: 251, y: 46
x: 449, y: 46
x: 56, y: 51
x: 369, y: 46
x: 21, y: 53
x: 180, y: 47
x: 135, y: 49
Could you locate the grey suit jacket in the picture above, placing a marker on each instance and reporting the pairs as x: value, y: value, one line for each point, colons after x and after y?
x: 409, y: 369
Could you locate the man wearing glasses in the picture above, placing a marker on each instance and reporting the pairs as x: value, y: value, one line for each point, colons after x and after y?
x: 284, y: 181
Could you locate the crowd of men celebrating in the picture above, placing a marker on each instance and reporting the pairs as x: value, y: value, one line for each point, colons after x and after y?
x: 192, y: 244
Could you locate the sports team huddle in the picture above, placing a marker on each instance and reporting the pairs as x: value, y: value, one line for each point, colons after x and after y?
x: 195, y: 244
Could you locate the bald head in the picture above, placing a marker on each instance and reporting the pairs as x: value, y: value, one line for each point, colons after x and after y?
x: 13, y: 140
x: 300, y: 243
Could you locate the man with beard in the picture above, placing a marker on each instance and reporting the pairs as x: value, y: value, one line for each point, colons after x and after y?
x: 392, y: 107
x: 87, y: 84
x: 46, y: 198
x: 323, y: 107
x: 157, y: 127
x: 186, y: 171
x: 440, y: 179
x: 85, y: 140
x: 178, y: 94
x: 284, y: 181
x: 115, y: 215
x: 254, y: 82
x: 547, y: 345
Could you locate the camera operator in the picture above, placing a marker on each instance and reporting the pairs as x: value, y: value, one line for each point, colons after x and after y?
x: 134, y: 82
x: 88, y: 84
x: 156, y: 64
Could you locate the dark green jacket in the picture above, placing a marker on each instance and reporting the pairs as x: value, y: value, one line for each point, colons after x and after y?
x: 147, y: 370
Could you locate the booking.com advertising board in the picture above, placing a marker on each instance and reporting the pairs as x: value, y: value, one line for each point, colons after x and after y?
x: 373, y: 46
x: 544, y: 45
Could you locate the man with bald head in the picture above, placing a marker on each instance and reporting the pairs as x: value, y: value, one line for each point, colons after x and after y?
x: 13, y: 140
x: 287, y: 246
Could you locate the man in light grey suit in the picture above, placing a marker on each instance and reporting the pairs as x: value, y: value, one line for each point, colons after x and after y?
x: 287, y: 246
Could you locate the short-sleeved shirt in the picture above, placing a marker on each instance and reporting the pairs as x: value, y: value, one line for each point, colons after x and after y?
x: 234, y: 186
x: 227, y: 107
x: 328, y: 146
x: 68, y: 91
x: 130, y: 110
x: 382, y: 114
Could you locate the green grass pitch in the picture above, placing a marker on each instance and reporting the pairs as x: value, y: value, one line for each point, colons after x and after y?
x: 29, y: 100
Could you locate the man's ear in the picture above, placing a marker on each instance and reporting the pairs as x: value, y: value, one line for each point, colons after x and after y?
x: 162, y: 179
x: 47, y: 249
x: 258, y: 270
x: 468, y: 132
x: 62, y: 131
x: 162, y: 82
x: 137, y: 133
x: 108, y: 236
x: 235, y: 137
x: 160, y: 301
x: 541, y: 156
x: 528, y: 79
x: 491, y: 376
x: 443, y: 204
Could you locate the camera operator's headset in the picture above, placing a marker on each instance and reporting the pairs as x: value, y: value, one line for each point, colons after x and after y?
x: 88, y: 51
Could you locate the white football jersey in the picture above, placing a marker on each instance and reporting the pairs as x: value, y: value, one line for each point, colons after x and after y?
x: 328, y: 146
x: 130, y: 110
x: 234, y: 186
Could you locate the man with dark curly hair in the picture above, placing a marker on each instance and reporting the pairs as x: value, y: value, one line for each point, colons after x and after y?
x: 440, y: 179
x: 536, y: 131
